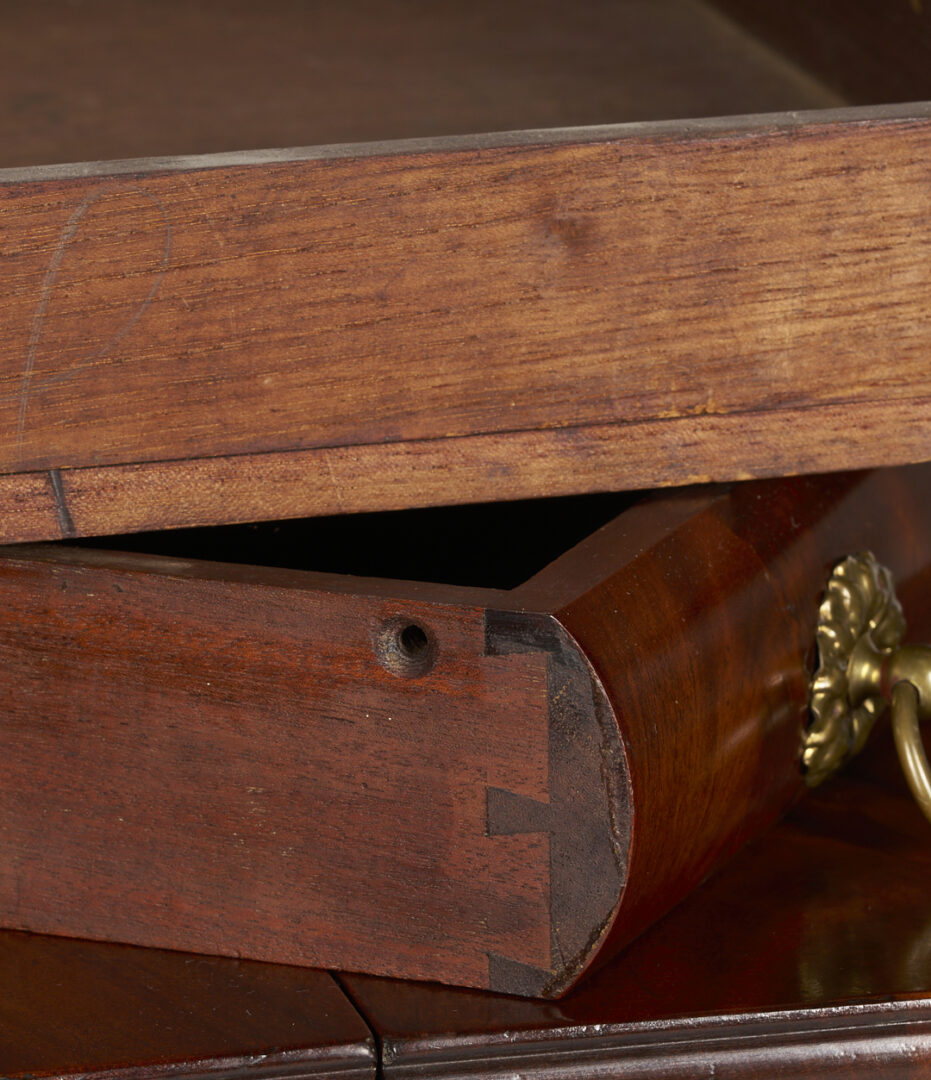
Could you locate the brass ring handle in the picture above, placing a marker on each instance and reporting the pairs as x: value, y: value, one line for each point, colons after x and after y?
x: 908, y: 742
x: 861, y: 667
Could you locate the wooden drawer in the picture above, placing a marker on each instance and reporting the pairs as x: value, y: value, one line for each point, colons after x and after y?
x: 806, y: 957
x: 408, y: 310
x: 496, y: 781
x: 521, y: 250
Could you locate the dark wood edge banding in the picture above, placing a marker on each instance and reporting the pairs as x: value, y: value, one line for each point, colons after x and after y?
x: 588, y: 816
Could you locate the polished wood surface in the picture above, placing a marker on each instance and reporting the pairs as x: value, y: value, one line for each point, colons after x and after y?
x: 492, y: 312
x: 73, y: 1009
x: 244, y: 761
x: 808, y: 956
x: 383, y: 324
x: 493, y: 788
x: 698, y: 616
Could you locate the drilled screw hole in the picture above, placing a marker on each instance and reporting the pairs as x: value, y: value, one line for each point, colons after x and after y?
x: 413, y: 641
x: 405, y: 648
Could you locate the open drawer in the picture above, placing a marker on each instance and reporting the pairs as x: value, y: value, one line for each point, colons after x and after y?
x: 486, y: 786
x: 601, y: 294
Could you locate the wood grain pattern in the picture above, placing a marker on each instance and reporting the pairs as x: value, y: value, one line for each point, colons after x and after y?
x: 806, y: 957
x: 258, y: 762
x: 73, y: 1009
x: 487, y: 299
x: 235, y: 761
x: 396, y: 476
x: 698, y: 617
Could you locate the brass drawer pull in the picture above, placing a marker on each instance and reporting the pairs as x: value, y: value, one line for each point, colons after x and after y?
x: 907, y: 706
x: 862, y: 667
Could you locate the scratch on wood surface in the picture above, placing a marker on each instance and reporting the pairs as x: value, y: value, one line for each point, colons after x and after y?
x: 198, y: 207
x: 28, y: 383
x: 334, y: 483
x: 65, y: 521
x: 67, y: 234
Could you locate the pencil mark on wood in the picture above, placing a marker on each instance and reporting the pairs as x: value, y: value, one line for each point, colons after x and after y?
x: 29, y: 383
x: 65, y: 521
x: 71, y: 227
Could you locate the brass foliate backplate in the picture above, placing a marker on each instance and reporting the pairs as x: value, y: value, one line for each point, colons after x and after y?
x: 859, y: 609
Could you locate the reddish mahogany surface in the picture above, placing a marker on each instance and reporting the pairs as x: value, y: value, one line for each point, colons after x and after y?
x: 222, y: 759
x: 377, y: 327
x: 77, y: 1008
x: 241, y: 761
x: 808, y: 956
x: 698, y: 614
